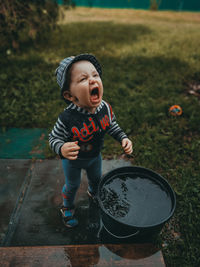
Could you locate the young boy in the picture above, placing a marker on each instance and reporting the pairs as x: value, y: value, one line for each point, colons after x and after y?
x: 79, y: 131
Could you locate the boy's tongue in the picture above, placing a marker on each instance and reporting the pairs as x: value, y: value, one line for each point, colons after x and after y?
x: 94, y: 98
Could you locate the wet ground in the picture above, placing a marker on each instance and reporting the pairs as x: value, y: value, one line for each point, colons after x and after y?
x: 82, y: 256
x: 30, y: 199
x: 30, y: 221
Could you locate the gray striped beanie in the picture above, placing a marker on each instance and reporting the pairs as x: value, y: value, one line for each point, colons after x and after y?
x: 66, y: 63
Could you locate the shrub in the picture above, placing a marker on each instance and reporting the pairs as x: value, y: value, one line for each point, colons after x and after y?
x: 68, y: 4
x: 25, y: 21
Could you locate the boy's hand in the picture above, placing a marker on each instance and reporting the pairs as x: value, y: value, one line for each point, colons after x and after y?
x: 127, y: 146
x: 70, y: 150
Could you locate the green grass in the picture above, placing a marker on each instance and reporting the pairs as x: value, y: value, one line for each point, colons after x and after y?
x: 149, y: 59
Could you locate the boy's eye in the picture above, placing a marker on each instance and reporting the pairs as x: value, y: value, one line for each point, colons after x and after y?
x: 82, y: 79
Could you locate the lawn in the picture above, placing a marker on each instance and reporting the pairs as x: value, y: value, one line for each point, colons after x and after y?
x: 151, y: 61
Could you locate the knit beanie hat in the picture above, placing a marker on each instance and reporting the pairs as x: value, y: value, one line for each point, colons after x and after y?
x: 66, y: 63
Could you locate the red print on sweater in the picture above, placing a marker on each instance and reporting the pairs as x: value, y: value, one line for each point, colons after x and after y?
x: 85, y: 134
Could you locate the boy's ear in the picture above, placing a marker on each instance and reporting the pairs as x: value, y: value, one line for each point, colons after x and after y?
x: 68, y: 96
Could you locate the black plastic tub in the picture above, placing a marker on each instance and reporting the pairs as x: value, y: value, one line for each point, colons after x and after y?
x: 135, y: 202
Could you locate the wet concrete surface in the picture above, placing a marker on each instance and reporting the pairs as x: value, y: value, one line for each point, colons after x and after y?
x: 13, y: 175
x: 30, y: 205
x: 82, y: 256
x: 31, y: 228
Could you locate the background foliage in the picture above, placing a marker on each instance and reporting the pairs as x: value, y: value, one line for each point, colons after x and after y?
x: 25, y: 21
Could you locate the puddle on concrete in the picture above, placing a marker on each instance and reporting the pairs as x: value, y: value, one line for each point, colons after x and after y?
x: 86, y: 255
x: 40, y: 222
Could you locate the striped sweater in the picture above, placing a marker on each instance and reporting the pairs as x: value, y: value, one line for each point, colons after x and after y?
x: 77, y: 124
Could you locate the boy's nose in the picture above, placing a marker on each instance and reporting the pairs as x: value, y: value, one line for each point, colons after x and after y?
x: 92, y: 80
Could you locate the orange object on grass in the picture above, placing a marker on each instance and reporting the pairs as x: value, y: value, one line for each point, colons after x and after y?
x: 175, y: 110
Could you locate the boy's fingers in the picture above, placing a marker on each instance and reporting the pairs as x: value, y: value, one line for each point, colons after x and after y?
x: 74, y: 149
x: 124, y: 143
x: 72, y: 157
x: 128, y: 148
x: 73, y: 146
x: 73, y: 153
x: 72, y: 143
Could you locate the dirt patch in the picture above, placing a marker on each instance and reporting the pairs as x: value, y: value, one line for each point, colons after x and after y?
x: 81, y: 14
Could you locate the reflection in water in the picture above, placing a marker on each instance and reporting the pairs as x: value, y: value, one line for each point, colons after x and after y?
x: 81, y: 255
x: 109, y: 255
x: 115, y: 201
x: 137, y: 201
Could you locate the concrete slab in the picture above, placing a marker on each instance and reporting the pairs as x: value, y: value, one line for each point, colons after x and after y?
x: 32, y: 232
x: 39, y: 222
x: 13, y: 176
x: 83, y: 256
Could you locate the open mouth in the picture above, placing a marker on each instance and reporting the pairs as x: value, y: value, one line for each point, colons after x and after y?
x: 94, y: 94
x: 95, y: 91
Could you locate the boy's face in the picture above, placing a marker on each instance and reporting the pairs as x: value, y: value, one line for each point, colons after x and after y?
x: 86, y: 88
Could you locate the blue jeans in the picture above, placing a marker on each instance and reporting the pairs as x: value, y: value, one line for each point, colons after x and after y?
x: 72, y: 172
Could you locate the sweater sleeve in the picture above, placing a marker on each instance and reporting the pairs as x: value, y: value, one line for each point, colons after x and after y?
x: 114, y: 130
x: 58, y: 136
